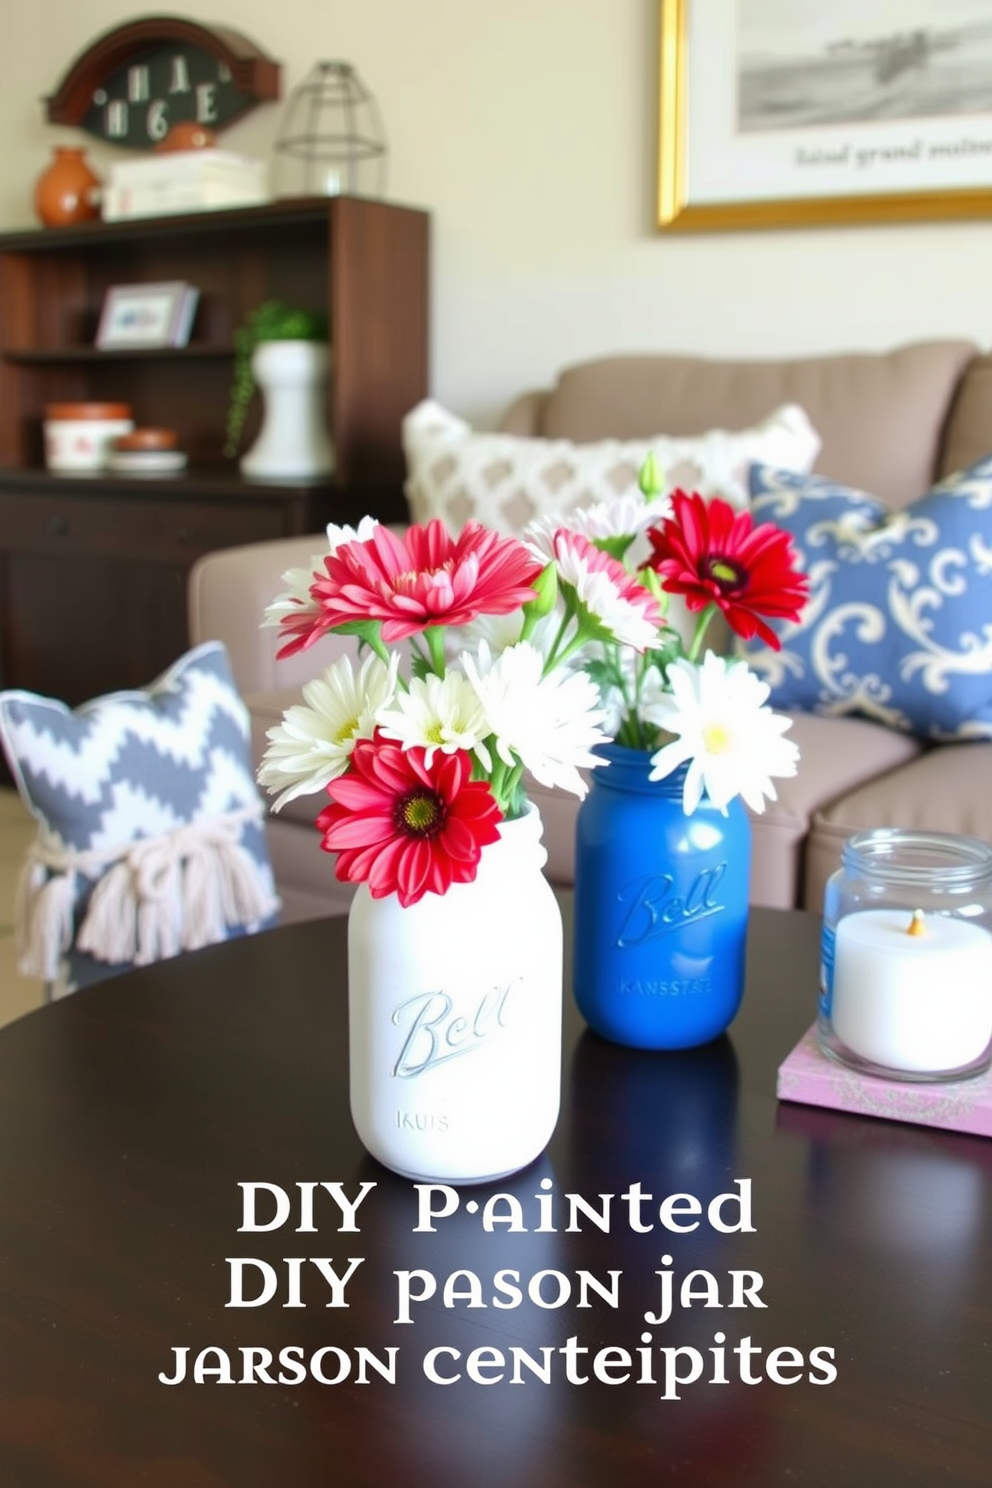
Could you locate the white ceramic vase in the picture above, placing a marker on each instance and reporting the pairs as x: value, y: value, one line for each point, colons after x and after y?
x: 455, y: 1018
x: 293, y: 443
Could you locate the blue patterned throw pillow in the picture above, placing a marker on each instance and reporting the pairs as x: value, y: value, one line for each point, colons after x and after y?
x: 899, y: 622
x: 150, y: 825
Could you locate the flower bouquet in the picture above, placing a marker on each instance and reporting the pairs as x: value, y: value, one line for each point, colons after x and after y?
x: 422, y: 764
x: 454, y: 935
x: 539, y: 658
x: 661, y: 692
x: 663, y: 841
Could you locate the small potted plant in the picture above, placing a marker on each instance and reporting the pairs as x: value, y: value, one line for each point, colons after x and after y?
x: 283, y: 351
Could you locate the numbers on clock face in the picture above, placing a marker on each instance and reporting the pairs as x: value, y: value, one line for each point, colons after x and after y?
x: 171, y: 84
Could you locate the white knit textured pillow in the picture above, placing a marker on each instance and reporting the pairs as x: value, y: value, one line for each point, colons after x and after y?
x: 505, y: 480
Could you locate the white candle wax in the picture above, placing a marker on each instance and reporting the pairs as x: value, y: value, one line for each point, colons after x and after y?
x: 920, y: 1003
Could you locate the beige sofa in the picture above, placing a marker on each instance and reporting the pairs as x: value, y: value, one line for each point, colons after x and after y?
x: 890, y: 424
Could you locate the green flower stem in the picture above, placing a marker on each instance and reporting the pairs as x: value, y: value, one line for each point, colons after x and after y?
x: 575, y: 644
x: 504, y: 782
x: 497, y: 783
x: 434, y: 636
x: 698, y: 635
x: 379, y: 647
x: 553, y: 657
x: 367, y: 633
x: 640, y: 671
x: 513, y: 781
x: 561, y: 650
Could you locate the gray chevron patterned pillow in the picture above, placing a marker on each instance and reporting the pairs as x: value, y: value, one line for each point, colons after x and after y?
x: 150, y: 825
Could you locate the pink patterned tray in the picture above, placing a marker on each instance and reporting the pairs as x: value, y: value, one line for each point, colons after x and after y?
x: 809, y: 1077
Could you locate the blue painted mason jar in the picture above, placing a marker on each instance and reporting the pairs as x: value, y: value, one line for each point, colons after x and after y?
x: 661, y: 907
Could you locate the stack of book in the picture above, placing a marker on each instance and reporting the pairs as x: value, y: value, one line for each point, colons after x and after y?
x: 808, y: 1076
x: 182, y: 181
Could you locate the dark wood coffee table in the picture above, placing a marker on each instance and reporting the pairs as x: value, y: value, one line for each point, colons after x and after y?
x: 130, y: 1114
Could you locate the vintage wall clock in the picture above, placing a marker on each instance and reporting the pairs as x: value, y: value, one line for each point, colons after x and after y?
x: 132, y: 84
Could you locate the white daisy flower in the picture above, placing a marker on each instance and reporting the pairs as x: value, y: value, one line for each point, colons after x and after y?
x: 337, y: 535
x: 549, y: 724
x: 312, y: 745
x: 732, y: 742
x: 612, y: 596
x: 438, y: 713
x: 628, y: 515
x: 295, y: 598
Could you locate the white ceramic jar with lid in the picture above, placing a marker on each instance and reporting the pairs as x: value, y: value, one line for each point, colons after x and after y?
x: 78, y: 436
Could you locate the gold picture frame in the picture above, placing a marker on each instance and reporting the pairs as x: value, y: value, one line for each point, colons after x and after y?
x: 698, y: 52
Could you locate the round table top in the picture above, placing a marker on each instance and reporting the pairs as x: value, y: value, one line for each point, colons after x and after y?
x: 559, y: 1352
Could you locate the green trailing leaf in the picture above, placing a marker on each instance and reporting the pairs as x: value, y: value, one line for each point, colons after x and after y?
x: 271, y: 321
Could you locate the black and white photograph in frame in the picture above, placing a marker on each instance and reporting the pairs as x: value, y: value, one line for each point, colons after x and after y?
x: 803, y: 63
x: 795, y: 113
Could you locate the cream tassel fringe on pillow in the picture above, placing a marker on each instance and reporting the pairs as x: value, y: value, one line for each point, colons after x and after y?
x: 157, y: 896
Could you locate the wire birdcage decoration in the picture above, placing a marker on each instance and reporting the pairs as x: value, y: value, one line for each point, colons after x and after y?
x: 332, y: 139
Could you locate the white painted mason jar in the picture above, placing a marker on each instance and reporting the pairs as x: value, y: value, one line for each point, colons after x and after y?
x: 293, y: 443
x: 455, y: 1018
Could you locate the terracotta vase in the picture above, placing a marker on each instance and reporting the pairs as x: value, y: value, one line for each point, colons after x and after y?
x: 187, y: 135
x: 67, y: 190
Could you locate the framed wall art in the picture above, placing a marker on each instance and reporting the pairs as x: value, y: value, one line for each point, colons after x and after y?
x: 793, y: 113
x: 146, y: 315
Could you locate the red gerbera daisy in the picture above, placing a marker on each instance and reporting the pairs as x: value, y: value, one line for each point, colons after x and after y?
x: 399, y: 825
x: 712, y: 554
x: 424, y: 577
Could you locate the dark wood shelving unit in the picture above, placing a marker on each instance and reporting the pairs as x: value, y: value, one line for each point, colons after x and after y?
x: 82, y: 354
x: 93, y: 569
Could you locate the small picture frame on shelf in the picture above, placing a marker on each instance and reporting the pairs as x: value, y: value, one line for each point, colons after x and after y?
x: 147, y: 315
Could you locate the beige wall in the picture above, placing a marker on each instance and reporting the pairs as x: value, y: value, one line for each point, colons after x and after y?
x: 527, y: 128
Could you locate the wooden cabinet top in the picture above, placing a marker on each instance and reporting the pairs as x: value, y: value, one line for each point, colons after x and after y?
x: 283, y: 213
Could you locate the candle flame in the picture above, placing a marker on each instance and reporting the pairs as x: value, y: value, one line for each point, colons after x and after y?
x: 916, y: 925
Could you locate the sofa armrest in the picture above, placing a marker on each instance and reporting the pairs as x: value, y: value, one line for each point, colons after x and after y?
x: 226, y: 598
x: 525, y: 415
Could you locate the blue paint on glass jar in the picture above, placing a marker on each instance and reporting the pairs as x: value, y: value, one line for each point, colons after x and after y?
x: 661, y: 908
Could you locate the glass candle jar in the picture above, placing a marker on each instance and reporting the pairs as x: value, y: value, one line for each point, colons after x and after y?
x: 906, y: 956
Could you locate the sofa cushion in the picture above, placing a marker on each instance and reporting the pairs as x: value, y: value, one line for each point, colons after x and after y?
x: 836, y: 755
x: 880, y: 415
x: 505, y: 481
x: 899, y: 621
x: 150, y: 825
x: 943, y: 790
